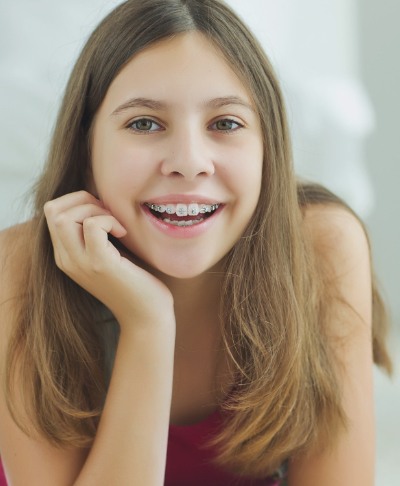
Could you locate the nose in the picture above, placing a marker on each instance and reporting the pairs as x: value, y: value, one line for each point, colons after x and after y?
x: 189, y: 155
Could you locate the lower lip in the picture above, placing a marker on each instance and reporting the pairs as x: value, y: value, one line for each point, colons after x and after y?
x: 182, y: 231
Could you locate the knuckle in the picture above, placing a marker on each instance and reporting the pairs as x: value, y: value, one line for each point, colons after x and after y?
x: 82, y: 194
x: 60, y: 220
x: 97, y: 266
x: 66, y: 265
x: 48, y: 208
x: 89, y: 223
x: 99, y: 210
x: 57, y: 259
x: 60, y: 261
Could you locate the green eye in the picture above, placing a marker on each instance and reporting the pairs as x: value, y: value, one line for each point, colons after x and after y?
x: 145, y: 125
x: 226, y: 125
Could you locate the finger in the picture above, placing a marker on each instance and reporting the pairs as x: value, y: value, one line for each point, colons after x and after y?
x: 67, y: 201
x: 77, y: 245
x: 77, y: 214
x: 66, y: 227
x: 96, y: 230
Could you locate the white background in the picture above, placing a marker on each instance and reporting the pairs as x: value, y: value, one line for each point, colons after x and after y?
x: 338, y: 64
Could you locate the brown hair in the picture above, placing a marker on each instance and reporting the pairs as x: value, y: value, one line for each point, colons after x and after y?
x: 286, y: 392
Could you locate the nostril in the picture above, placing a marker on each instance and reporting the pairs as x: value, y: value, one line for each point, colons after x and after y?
x: 189, y: 169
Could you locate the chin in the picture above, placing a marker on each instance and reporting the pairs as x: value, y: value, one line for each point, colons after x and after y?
x: 182, y: 268
x: 185, y: 270
x: 175, y: 264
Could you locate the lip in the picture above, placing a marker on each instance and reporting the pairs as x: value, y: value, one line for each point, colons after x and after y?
x: 181, y: 198
x: 181, y: 231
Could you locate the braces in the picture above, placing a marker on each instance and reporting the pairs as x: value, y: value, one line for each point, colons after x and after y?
x: 183, y: 209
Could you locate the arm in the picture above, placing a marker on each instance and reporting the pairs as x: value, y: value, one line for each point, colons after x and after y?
x: 340, y: 241
x: 131, y: 442
x: 130, y: 445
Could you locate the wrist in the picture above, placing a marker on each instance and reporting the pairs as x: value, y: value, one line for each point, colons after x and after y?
x: 138, y: 314
x: 147, y: 327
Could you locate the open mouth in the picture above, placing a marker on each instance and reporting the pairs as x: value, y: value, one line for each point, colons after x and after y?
x: 182, y: 214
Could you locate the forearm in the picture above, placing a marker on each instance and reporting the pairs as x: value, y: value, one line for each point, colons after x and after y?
x: 131, y: 442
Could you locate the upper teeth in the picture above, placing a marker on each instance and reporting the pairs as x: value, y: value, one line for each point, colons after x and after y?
x: 192, y: 209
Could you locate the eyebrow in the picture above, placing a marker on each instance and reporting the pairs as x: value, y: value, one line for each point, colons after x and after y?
x: 228, y: 100
x: 139, y: 103
x: 162, y: 106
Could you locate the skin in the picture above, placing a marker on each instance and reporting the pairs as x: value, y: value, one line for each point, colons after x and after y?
x: 185, y: 153
x: 341, y: 243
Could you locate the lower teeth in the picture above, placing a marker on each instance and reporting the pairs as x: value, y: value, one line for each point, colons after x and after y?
x: 182, y: 223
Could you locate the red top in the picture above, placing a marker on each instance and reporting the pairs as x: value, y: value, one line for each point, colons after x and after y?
x: 189, y: 462
x: 3, y: 481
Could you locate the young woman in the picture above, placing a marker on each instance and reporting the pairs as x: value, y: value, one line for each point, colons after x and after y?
x: 180, y: 310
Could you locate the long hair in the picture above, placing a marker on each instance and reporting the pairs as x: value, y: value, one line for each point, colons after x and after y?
x: 274, y: 300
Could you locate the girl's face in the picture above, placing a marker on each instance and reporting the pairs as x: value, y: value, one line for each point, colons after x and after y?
x: 177, y: 155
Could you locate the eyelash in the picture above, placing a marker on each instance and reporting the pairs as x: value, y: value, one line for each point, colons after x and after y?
x: 229, y: 120
x: 146, y: 132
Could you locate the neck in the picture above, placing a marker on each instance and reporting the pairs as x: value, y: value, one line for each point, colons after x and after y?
x: 196, y: 301
x: 195, y: 297
x: 197, y: 304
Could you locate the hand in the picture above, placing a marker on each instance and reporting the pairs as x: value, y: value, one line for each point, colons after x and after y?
x: 79, y: 226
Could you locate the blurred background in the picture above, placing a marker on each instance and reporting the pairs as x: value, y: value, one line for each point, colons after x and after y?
x: 338, y: 63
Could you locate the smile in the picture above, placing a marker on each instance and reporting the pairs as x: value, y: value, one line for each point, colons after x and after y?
x: 182, y: 214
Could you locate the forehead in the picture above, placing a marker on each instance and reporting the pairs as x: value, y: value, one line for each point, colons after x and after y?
x: 185, y: 68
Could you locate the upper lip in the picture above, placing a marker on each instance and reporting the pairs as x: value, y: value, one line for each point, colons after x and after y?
x: 182, y: 198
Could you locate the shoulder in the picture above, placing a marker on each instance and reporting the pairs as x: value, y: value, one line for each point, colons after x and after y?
x: 337, y: 235
x: 343, y: 256
x: 15, y: 251
x: 51, y: 465
x: 343, y: 259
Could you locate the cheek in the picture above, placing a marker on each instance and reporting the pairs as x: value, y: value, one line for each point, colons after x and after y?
x: 253, y: 167
x: 243, y: 170
x: 120, y: 166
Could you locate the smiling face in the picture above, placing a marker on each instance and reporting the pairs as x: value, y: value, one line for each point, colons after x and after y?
x: 177, y: 155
